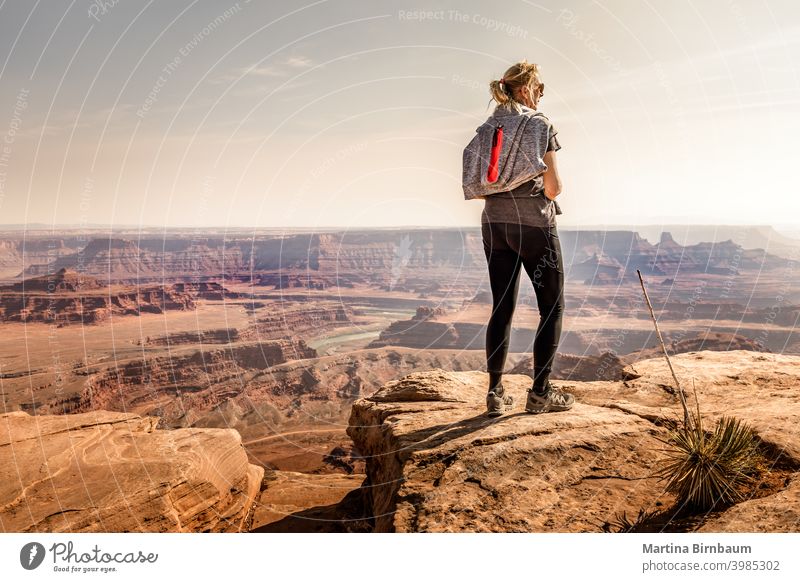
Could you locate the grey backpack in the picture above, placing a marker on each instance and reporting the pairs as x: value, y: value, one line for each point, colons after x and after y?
x: 503, y: 154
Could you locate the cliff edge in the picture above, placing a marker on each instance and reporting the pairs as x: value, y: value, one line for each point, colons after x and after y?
x: 114, y: 472
x: 436, y: 462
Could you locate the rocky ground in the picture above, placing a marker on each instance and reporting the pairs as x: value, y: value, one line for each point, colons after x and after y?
x: 436, y: 462
x: 433, y: 460
x: 114, y: 472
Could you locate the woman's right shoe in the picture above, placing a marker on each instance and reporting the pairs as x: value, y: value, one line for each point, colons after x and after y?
x: 553, y: 400
x: 497, y: 401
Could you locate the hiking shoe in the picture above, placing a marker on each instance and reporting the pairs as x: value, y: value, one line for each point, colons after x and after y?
x: 553, y: 400
x: 497, y: 401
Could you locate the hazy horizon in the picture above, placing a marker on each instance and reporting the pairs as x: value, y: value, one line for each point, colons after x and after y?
x: 787, y: 230
x: 197, y: 114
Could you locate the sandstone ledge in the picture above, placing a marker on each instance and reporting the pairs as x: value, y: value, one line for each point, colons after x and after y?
x: 435, y: 462
x: 114, y: 472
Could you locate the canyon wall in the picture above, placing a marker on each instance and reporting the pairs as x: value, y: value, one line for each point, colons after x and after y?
x: 382, y: 257
x: 67, y: 296
x: 180, y: 387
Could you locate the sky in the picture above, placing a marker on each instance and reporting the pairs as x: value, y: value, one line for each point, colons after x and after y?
x: 355, y: 114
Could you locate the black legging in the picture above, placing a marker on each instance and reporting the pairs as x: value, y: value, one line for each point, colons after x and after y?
x: 537, y: 249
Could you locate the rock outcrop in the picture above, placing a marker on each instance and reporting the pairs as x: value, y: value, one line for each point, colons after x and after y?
x: 716, y: 341
x: 208, y: 290
x: 606, y: 366
x: 436, y: 462
x: 114, y: 472
x: 293, y: 318
x: 178, y: 384
x: 423, y: 331
x: 69, y: 297
x: 223, y: 335
x: 611, y: 366
x: 147, y: 259
x: 63, y: 280
x: 618, y: 253
x: 17, y: 252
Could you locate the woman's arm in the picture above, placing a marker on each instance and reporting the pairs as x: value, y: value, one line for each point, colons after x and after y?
x: 552, y: 181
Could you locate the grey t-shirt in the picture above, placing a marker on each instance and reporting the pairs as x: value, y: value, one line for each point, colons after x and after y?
x: 525, y: 204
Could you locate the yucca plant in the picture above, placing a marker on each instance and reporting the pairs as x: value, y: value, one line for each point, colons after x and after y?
x: 702, y: 469
x: 705, y: 469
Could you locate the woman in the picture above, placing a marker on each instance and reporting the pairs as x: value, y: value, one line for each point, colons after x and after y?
x: 519, y: 231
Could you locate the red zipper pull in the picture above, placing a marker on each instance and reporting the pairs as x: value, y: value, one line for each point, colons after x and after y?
x: 497, y: 146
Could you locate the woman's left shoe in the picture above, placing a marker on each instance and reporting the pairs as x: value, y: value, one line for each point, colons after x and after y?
x: 497, y: 401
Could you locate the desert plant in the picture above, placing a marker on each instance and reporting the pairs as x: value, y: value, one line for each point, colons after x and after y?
x: 622, y: 523
x: 703, y: 469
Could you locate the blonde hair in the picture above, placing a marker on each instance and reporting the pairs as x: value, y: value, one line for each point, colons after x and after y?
x: 517, y: 76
